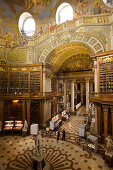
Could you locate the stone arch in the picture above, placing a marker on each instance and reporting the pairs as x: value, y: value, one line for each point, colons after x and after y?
x: 90, y: 41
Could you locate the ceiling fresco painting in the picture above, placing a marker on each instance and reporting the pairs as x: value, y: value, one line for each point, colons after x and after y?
x: 43, y: 12
x: 79, y: 62
x: 11, y: 7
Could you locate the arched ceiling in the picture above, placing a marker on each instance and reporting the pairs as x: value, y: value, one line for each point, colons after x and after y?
x: 62, y: 53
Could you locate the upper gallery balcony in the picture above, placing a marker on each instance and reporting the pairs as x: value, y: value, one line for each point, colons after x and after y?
x: 86, y: 20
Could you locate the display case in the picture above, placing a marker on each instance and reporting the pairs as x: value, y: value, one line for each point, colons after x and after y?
x: 92, y: 142
x: 9, y: 125
x: 81, y: 130
x: 18, y: 125
x: 64, y: 115
x: 34, y: 129
x: 55, y: 122
x: 55, y: 118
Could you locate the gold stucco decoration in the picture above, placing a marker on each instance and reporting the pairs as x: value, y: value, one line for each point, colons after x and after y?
x: 16, y: 55
x: 48, y: 76
x: 106, y: 59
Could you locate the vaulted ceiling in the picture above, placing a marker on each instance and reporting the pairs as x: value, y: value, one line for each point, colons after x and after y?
x: 77, y: 51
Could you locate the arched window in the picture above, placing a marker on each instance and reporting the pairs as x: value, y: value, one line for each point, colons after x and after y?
x: 26, y: 25
x: 64, y: 13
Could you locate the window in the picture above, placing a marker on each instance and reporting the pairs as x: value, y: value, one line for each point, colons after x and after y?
x: 64, y: 13
x: 108, y: 3
x: 26, y: 25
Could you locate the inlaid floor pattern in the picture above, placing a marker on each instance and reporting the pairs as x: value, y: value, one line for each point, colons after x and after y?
x: 16, y: 151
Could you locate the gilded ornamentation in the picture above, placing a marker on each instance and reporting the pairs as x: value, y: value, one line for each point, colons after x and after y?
x: 48, y: 76
x: 106, y: 59
x: 1, y: 69
x: 78, y: 62
x: 14, y: 69
x: 16, y: 55
x: 24, y: 69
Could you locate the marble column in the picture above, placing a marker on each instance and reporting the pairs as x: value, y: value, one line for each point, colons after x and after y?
x: 81, y: 92
x: 23, y: 110
x: 64, y: 94
x: 28, y: 111
x: 72, y: 95
x: 112, y: 118
x: 67, y: 101
x: 91, y: 87
x: 95, y: 75
x: 87, y: 95
x: 105, y: 110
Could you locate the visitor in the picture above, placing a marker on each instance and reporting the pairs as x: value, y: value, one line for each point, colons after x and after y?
x: 58, y: 135
x: 63, y: 135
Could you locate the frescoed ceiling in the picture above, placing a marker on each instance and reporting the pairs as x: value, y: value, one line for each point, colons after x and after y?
x: 77, y: 52
x: 79, y: 62
x: 11, y: 7
x: 45, y: 8
x: 44, y: 13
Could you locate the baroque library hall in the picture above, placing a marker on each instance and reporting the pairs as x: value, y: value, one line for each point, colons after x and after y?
x: 56, y: 84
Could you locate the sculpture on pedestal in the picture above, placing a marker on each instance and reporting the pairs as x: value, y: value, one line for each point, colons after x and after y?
x: 25, y: 126
x: 38, y: 150
x: 109, y: 144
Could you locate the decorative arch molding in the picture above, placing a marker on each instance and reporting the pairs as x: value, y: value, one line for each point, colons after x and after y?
x: 91, y: 42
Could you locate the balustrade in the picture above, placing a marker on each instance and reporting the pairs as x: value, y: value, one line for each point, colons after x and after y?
x: 91, y: 19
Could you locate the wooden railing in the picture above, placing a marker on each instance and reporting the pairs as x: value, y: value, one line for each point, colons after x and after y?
x: 103, y: 98
x: 30, y: 95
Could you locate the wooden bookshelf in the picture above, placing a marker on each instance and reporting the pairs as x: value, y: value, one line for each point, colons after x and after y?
x: 19, y: 79
x: 106, y: 75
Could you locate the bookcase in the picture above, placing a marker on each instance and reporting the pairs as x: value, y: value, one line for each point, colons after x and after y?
x: 106, y: 74
x: 34, y: 81
x: 3, y: 80
x: 17, y: 79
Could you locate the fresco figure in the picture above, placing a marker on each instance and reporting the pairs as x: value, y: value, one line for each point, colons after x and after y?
x: 97, y: 9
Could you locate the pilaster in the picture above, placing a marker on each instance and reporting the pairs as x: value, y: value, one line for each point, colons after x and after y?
x: 105, y: 110
x: 87, y: 95
x: 28, y: 111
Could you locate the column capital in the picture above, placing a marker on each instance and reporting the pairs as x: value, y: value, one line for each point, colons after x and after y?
x: 73, y: 80
x: 28, y: 101
x: 65, y: 80
x: 87, y: 79
x: 105, y: 108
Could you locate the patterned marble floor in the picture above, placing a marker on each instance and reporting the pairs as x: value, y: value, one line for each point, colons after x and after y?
x: 16, y: 151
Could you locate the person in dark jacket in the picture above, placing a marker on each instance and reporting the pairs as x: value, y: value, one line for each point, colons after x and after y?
x: 58, y: 135
x: 63, y: 135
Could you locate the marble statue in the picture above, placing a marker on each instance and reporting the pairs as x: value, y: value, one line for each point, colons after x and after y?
x: 109, y: 144
x: 25, y: 126
x: 0, y: 126
x: 37, y: 144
